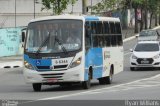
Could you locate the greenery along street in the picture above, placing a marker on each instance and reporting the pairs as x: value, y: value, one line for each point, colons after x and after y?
x: 145, y: 6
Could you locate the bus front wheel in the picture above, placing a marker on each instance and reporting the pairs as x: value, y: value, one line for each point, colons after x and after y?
x: 37, y: 86
x: 87, y: 84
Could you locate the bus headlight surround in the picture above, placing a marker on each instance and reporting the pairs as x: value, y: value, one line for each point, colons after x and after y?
x: 27, y: 65
x: 76, y: 63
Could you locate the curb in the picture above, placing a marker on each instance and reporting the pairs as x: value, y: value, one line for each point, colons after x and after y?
x: 12, y: 64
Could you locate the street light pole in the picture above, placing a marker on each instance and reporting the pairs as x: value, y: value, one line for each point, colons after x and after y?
x: 84, y: 6
x: 34, y: 7
x: 15, y: 14
x: 91, y: 6
x: 72, y: 8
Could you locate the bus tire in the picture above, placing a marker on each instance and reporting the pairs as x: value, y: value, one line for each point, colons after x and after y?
x: 87, y: 84
x: 132, y: 68
x: 102, y: 80
x: 37, y: 87
x: 110, y: 77
x: 66, y: 85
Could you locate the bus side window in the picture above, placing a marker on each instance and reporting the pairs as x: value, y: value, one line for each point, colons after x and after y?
x: 118, y: 33
x: 98, y: 39
x: 106, y: 32
x: 93, y: 34
x: 99, y: 27
x: 87, y: 35
x: 113, y: 36
x: 108, y: 40
x: 95, y: 40
x: 101, y: 41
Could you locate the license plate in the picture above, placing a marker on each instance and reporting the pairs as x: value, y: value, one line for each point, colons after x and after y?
x: 144, y: 62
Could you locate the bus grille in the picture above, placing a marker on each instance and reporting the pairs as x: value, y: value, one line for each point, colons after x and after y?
x: 43, y: 67
x: 60, y: 66
x: 56, y: 75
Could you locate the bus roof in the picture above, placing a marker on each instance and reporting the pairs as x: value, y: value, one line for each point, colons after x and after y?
x: 79, y: 17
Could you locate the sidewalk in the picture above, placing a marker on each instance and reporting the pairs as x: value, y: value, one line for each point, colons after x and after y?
x: 11, y: 61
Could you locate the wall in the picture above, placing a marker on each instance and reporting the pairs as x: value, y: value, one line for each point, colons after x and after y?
x: 25, y: 11
x: 10, y: 41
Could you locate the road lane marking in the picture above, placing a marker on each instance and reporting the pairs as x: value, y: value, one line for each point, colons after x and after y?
x: 99, y: 90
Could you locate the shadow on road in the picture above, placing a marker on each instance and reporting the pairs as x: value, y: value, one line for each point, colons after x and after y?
x: 147, y: 69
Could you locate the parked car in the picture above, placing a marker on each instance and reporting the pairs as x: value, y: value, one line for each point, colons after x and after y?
x: 149, y: 34
x: 145, y: 54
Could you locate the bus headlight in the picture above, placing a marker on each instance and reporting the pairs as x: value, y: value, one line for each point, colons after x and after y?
x: 76, y: 63
x: 27, y: 65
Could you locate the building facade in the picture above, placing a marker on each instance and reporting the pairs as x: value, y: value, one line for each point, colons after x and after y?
x: 15, y: 13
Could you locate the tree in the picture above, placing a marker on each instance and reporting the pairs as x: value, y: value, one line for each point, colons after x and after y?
x: 57, y: 6
x: 137, y: 5
x: 106, y: 5
x: 153, y: 6
x: 111, y: 5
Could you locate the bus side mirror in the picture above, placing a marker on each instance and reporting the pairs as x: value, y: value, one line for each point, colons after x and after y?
x: 23, y: 36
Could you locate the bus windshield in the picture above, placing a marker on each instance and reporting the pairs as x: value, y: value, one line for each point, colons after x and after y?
x: 53, y: 36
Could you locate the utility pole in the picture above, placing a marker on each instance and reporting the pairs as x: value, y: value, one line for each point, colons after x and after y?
x: 91, y: 6
x: 15, y: 15
x: 84, y: 6
x: 34, y: 7
x: 72, y: 8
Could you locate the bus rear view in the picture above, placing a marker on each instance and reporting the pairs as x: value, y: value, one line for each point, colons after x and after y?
x: 56, y: 52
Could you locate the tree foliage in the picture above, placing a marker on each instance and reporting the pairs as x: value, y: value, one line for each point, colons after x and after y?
x: 57, y: 6
x: 106, y: 5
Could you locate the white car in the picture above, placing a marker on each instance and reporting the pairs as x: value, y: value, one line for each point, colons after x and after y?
x: 145, y: 54
x: 146, y: 35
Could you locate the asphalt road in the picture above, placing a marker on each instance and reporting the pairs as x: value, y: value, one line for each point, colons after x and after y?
x: 126, y: 85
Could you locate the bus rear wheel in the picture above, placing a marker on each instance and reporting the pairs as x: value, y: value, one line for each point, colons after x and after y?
x: 108, y: 79
x: 37, y: 87
x: 102, y: 80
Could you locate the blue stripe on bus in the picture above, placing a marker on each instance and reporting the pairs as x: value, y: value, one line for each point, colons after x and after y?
x: 94, y: 58
x: 91, y: 18
x: 37, y: 62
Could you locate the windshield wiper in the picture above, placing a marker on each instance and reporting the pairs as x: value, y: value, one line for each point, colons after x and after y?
x: 43, y: 44
x: 63, y: 48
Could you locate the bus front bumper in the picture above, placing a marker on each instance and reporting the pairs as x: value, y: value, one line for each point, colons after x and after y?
x: 69, y: 75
